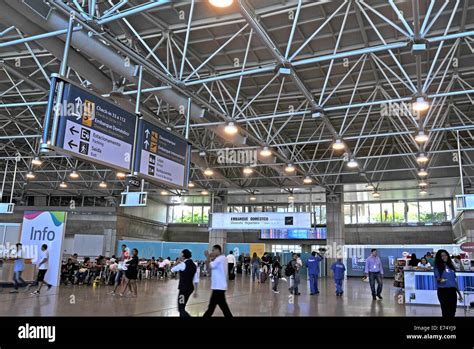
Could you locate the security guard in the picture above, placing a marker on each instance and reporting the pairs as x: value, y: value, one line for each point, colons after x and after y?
x: 312, y: 263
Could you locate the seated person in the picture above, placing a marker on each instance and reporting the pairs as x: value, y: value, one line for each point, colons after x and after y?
x: 423, y: 264
x: 83, y: 271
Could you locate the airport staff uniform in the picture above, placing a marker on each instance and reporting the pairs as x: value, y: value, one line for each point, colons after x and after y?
x: 313, y: 272
x: 338, y: 270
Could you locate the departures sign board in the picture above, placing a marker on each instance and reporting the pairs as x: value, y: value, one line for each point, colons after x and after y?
x: 95, y: 130
x: 162, y: 156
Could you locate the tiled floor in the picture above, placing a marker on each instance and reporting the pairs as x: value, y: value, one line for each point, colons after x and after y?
x: 158, y: 298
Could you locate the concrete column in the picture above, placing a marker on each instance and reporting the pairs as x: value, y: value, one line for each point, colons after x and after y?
x: 335, y: 226
x: 218, y: 236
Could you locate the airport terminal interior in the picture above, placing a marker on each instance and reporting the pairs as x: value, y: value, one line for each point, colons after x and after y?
x: 326, y: 147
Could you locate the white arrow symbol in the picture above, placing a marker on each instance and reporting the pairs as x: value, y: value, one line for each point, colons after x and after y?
x: 78, y: 107
x: 146, y: 144
x: 147, y: 133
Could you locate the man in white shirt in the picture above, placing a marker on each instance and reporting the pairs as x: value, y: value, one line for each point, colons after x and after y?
x: 230, y: 265
x: 218, y: 281
x: 42, y: 269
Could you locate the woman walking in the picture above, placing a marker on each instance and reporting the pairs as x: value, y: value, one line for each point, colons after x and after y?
x: 255, y: 263
x: 131, y: 274
x: 446, y: 283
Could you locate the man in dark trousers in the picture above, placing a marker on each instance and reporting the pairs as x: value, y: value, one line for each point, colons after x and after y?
x: 187, y: 270
x: 218, y: 281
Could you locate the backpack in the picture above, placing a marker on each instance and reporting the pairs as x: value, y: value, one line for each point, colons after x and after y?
x: 289, y: 269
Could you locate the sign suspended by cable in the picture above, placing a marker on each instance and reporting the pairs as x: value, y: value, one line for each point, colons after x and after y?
x: 93, y: 129
x: 161, y: 156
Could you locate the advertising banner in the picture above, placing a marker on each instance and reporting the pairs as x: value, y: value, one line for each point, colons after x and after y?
x: 95, y: 130
x: 161, y: 156
x: 263, y: 220
x: 44, y: 227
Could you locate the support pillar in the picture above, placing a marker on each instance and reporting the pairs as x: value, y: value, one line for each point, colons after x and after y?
x: 335, y: 226
x: 218, y: 236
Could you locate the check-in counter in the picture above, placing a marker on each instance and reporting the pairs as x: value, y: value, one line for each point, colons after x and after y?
x: 420, y: 286
x: 6, y: 271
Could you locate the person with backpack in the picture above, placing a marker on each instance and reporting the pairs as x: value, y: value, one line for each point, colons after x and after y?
x: 338, y: 270
x: 313, y: 272
x: 293, y: 271
x: 276, y: 272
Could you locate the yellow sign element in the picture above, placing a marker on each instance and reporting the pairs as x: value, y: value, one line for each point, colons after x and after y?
x: 257, y: 248
x: 153, y: 147
x: 89, y: 113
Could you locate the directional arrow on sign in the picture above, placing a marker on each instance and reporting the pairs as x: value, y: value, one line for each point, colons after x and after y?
x: 78, y: 107
x: 73, y: 130
x: 71, y: 144
x: 146, y: 144
x: 147, y: 133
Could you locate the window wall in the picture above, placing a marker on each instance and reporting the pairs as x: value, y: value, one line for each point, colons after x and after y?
x: 188, y: 214
x: 425, y: 211
x: 388, y: 212
x: 286, y: 248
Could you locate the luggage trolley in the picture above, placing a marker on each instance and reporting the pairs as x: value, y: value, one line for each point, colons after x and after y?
x: 468, y: 296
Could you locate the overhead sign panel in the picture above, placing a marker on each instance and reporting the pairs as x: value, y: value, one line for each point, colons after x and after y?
x: 96, y: 130
x: 161, y: 156
x: 263, y: 220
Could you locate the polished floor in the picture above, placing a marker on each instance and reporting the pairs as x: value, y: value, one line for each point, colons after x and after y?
x: 158, y: 298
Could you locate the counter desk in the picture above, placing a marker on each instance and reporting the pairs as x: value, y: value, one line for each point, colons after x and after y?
x: 420, y: 286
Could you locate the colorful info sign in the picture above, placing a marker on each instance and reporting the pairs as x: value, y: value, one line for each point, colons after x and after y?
x: 95, y: 130
x: 162, y: 156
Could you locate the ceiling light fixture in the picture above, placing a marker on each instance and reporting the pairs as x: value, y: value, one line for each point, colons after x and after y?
x: 290, y: 168
x: 30, y: 175
x: 420, y: 104
x: 291, y: 197
x: 376, y: 194
x: 421, y: 158
x: 421, y: 137
x: 423, y: 184
x: 208, y: 172
x: 265, y: 152
x: 37, y: 161
x: 163, y: 192
x: 307, y: 180
x: 352, y: 163
x: 121, y: 175
x: 63, y: 184
x: 221, y: 3
x: 370, y: 186
x: 247, y: 170
x: 231, y: 129
x: 423, y: 191
x: 422, y: 172
x: 191, y: 185
x: 204, y: 192
x: 103, y: 184
x: 74, y: 174
x: 253, y: 198
x: 338, y: 144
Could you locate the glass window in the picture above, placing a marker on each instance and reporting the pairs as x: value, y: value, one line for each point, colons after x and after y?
x: 412, y: 212
x: 187, y: 214
x: 362, y: 213
x: 205, y: 214
x: 439, y: 214
x: 425, y: 211
x: 449, y: 209
x: 375, y: 214
x: 387, y: 212
x: 347, y: 214
x: 399, y: 212
x: 353, y: 213
x: 323, y: 214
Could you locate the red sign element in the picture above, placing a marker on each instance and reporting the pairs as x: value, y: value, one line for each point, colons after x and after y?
x: 467, y: 247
